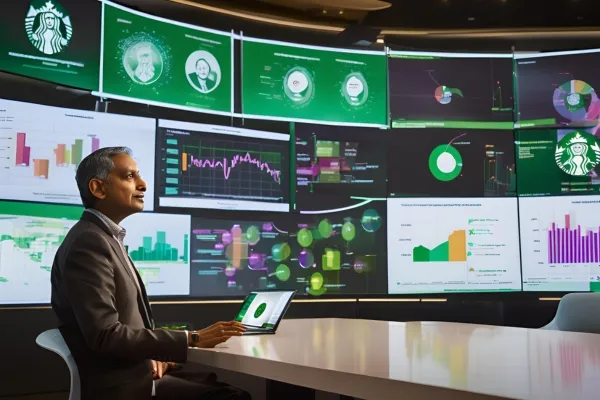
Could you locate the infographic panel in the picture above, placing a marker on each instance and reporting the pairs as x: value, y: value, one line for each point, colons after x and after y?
x: 451, y: 90
x: 560, y: 243
x: 453, y: 245
x: 52, y: 40
x: 313, y: 84
x: 558, y: 89
x: 558, y: 162
x: 338, y: 166
x: 333, y: 253
x: 30, y: 234
x: 159, y: 246
x: 41, y: 148
x: 221, y: 167
x: 155, y: 61
x: 452, y: 163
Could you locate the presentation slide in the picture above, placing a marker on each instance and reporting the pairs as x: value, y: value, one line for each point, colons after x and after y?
x: 451, y: 163
x: 338, y: 166
x: 159, y: 246
x: 152, y: 60
x: 558, y: 162
x: 451, y: 90
x: 56, y: 41
x: 41, y: 148
x: 222, y: 167
x: 285, y: 81
x: 453, y: 245
x: 560, y: 245
x: 332, y: 253
x: 263, y: 309
x: 30, y: 234
x: 558, y: 89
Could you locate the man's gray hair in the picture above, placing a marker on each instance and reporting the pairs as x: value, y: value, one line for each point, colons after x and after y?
x: 96, y: 166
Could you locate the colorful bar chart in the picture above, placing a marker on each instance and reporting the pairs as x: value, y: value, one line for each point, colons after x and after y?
x: 569, y: 246
x: 454, y: 250
x: 161, y: 251
x: 23, y: 152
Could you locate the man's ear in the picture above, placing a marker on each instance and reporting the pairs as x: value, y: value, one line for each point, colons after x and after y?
x: 97, y: 188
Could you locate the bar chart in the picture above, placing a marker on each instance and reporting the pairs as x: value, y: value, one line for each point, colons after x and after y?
x: 572, y: 245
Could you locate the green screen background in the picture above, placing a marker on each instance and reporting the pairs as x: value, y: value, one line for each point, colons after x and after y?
x: 266, y: 65
x: 174, y: 43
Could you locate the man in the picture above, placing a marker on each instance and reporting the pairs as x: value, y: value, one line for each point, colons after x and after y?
x: 200, y: 77
x: 101, y: 302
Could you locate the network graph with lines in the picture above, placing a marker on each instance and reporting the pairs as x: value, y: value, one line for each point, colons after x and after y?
x: 202, y: 165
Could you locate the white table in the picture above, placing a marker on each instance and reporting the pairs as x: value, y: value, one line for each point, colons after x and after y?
x: 417, y: 360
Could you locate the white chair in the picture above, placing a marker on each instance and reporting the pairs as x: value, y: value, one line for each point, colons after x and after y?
x: 577, y: 312
x: 52, y: 340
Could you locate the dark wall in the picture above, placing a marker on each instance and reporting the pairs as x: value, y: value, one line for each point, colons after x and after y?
x: 28, y: 369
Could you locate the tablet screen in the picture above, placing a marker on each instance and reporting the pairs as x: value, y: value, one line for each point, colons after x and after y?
x: 264, y: 309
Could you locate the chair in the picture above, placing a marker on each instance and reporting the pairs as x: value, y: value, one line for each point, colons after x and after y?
x: 52, y: 340
x: 577, y: 312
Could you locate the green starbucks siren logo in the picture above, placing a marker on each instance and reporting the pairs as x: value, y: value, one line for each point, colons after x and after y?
x: 577, y: 153
x: 48, y: 26
x: 260, y: 310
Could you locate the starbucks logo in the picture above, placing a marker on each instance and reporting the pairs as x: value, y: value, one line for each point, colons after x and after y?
x: 260, y: 310
x: 577, y: 153
x: 48, y: 26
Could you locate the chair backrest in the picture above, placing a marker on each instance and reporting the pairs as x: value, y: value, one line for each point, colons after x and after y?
x: 52, y: 340
x: 577, y: 312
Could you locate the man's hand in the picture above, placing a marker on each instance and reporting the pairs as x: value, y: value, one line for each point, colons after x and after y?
x: 159, y: 368
x: 218, y: 333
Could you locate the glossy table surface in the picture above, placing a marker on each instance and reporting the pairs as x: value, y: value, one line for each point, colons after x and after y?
x: 379, y: 360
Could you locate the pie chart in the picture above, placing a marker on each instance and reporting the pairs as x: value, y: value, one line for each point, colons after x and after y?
x: 445, y: 162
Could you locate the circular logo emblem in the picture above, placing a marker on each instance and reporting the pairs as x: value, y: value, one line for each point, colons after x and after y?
x: 203, y: 71
x: 577, y: 153
x: 355, y: 89
x: 445, y: 162
x: 48, y: 26
x: 143, y: 62
x: 260, y: 310
x: 298, y: 85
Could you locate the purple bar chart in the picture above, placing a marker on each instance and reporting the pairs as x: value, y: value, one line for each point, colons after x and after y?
x: 572, y: 245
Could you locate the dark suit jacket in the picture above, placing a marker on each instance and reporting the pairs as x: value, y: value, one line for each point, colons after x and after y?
x: 102, y: 316
x: 209, y: 82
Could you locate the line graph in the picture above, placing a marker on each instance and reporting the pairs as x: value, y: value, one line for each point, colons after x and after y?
x: 227, y: 167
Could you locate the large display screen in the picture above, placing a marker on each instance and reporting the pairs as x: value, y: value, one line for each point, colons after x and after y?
x: 285, y: 81
x: 558, y: 162
x: 451, y: 163
x: 41, y: 148
x: 221, y: 167
x: 152, y: 60
x: 159, y: 246
x: 52, y: 40
x: 335, y: 253
x: 30, y: 235
x: 560, y: 243
x: 451, y: 90
x: 453, y: 245
x: 338, y: 166
x: 558, y: 89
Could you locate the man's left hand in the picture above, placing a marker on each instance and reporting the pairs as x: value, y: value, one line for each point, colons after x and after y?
x: 159, y: 368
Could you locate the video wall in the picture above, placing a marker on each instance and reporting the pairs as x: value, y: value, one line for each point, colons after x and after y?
x: 398, y: 173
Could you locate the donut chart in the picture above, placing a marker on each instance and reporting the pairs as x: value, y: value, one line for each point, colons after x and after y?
x: 443, y: 94
x: 445, y: 162
x: 576, y: 100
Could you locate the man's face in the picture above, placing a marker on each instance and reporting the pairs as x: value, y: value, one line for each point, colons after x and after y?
x: 124, y: 189
x: 49, y: 20
x: 202, y: 69
x: 144, y: 57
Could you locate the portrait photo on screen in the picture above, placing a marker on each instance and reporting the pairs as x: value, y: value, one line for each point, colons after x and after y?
x: 52, y: 40
x: 159, y: 246
x: 451, y: 163
x: 30, y: 236
x: 453, y: 245
x: 558, y: 89
x: 338, y: 166
x: 334, y: 253
x: 558, y: 161
x: 451, y: 90
x: 45, y: 145
x: 222, y: 167
x: 560, y: 243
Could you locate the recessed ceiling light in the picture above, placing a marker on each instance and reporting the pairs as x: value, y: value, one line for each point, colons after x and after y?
x: 380, y: 40
x: 341, y: 12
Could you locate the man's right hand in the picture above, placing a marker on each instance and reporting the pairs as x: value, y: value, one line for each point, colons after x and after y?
x: 217, y: 333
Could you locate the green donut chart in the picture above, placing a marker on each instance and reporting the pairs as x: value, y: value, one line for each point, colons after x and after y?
x: 445, y: 162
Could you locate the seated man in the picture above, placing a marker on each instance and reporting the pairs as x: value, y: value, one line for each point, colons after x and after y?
x: 101, y: 303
